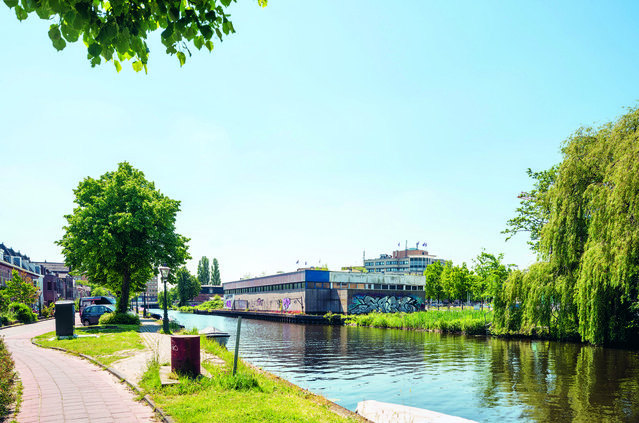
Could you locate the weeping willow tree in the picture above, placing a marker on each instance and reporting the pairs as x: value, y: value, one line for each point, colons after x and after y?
x: 588, y: 281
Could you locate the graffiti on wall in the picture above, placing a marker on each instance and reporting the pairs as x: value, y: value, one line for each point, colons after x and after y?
x: 362, y: 304
x: 284, y: 304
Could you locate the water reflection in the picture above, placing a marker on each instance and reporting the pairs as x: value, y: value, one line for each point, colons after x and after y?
x: 482, y: 379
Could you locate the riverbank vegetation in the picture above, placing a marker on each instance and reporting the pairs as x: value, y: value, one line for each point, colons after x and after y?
x: 249, y: 396
x: 8, y: 380
x: 467, y: 321
x: 583, y: 216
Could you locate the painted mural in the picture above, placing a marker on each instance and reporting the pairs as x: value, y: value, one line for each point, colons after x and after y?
x: 362, y: 304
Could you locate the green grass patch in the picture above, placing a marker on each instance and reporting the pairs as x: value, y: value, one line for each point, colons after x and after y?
x: 111, y: 344
x: 466, y: 321
x: 248, y: 396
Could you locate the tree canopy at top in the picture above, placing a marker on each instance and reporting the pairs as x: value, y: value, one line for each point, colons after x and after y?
x: 121, y: 231
x: 117, y: 29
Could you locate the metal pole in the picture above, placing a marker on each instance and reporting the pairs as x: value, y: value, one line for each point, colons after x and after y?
x: 165, y: 322
x: 237, y: 343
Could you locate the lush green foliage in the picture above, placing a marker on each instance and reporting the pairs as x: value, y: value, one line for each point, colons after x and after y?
x: 170, y: 298
x: 19, y: 289
x: 116, y: 30
x: 119, y: 319
x: 22, y: 313
x: 467, y: 321
x: 534, y: 209
x: 121, y: 231
x: 8, y: 379
x: 589, y: 283
x: 188, y: 286
x: 216, y: 303
x: 204, y: 271
x: 215, y: 276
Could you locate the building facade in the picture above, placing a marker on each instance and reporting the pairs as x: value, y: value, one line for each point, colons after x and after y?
x: 408, y: 261
x: 57, y: 283
x: 323, y: 291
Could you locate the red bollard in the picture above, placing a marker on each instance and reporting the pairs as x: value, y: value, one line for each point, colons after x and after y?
x: 185, y: 354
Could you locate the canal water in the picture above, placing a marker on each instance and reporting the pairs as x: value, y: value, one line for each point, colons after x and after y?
x: 478, y: 378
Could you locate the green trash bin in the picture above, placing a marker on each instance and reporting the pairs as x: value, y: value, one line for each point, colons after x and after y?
x: 64, y: 318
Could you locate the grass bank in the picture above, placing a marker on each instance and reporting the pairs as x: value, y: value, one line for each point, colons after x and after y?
x: 105, y: 344
x: 250, y: 396
x: 472, y: 322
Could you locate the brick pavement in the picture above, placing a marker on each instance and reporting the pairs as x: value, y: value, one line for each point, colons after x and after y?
x: 59, y: 387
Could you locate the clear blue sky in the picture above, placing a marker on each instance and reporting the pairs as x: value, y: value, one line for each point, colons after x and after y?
x: 319, y: 130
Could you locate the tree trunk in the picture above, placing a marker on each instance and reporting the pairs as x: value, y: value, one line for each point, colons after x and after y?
x: 123, y: 301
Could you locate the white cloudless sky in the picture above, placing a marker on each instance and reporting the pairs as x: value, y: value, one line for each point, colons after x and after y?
x: 320, y: 130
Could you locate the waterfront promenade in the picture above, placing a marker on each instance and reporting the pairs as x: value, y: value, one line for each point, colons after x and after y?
x: 59, y: 387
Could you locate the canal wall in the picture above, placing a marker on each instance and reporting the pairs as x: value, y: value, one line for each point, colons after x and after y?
x: 274, y: 317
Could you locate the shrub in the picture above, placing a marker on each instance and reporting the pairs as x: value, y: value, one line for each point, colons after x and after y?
x: 119, y: 319
x: 8, y: 379
x: 47, y: 311
x: 4, y: 320
x: 22, y: 312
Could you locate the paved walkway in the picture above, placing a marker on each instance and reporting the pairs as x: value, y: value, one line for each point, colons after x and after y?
x: 59, y: 387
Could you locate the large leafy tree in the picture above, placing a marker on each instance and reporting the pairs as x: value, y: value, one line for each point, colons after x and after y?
x: 491, y: 274
x: 120, y: 232
x: 203, y: 271
x: 588, y: 283
x: 20, y: 289
x: 215, y: 278
x: 116, y: 30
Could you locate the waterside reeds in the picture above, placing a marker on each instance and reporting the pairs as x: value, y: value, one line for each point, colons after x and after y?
x: 472, y: 322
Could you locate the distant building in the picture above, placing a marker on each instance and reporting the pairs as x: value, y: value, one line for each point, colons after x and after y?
x: 14, y: 260
x: 207, y: 292
x: 322, y: 291
x: 408, y: 261
x: 150, y: 293
x: 57, y: 283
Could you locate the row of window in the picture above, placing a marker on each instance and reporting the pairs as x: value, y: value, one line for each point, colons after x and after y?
x: 324, y: 285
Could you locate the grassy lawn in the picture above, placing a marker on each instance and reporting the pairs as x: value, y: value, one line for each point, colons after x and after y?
x: 249, y: 396
x: 109, y: 344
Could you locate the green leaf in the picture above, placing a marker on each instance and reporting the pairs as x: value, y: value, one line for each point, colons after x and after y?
x: 21, y: 13
x: 137, y: 66
x: 54, y: 32
x: 174, y: 13
x: 118, y: 66
x: 198, y: 42
x: 95, y: 49
x: 43, y: 12
x: 182, y: 57
x: 168, y: 32
x: 70, y: 34
x: 59, y: 44
x: 209, y: 45
x: 11, y: 3
x: 206, y: 31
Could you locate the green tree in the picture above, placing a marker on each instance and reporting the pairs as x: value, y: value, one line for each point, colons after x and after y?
x: 433, y: 284
x: 203, y: 271
x: 171, y: 298
x: 116, y: 30
x: 20, y: 290
x: 188, y: 285
x: 456, y: 282
x: 215, y: 278
x: 534, y: 208
x: 491, y: 274
x: 121, y: 231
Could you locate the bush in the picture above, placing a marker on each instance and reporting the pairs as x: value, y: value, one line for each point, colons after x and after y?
x: 4, y: 320
x: 22, y: 312
x: 215, y: 303
x: 8, y: 379
x: 48, y: 311
x: 119, y: 319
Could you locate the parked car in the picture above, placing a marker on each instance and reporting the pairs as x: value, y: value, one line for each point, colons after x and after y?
x: 91, y: 314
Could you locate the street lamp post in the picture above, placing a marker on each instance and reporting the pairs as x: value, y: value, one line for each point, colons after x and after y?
x: 164, y: 271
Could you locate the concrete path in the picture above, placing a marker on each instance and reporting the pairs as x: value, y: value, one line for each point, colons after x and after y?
x: 59, y: 387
